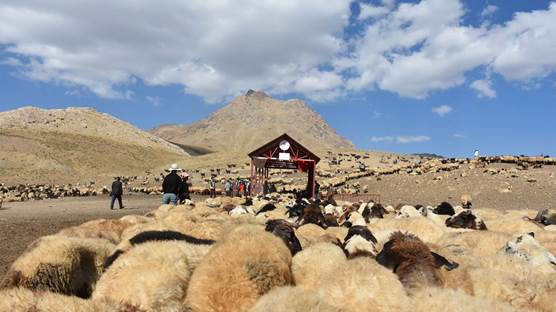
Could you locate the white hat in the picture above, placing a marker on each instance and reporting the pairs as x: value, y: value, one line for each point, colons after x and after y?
x: 174, y: 167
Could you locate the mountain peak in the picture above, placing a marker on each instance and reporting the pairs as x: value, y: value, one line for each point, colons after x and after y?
x: 249, y: 121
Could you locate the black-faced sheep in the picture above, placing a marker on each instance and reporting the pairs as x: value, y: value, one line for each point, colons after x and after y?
x: 286, y: 232
x: 466, y: 220
x: 444, y: 208
x: 70, y: 266
x: 413, y: 261
x: 241, y: 268
x: 359, y: 241
x: 266, y: 207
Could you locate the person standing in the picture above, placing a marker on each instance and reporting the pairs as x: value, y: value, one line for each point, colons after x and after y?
x: 212, y: 187
x: 171, y: 186
x: 184, y: 188
x: 228, y: 188
x: 116, y: 193
x: 317, y: 190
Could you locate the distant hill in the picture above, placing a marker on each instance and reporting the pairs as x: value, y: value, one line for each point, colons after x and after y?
x: 251, y: 120
x: 428, y: 155
x: 75, y: 144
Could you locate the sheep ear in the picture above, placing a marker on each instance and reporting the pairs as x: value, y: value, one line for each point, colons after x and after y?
x: 532, y: 234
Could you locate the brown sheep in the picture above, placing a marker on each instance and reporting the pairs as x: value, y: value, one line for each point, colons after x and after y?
x: 412, y: 261
x: 313, y: 214
x: 241, y: 268
x: 466, y: 220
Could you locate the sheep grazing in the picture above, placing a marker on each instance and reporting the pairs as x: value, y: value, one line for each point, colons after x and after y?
x: 312, y: 214
x: 286, y: 232
x: 70, y: 266
x: 466, y: 220
x: 413, y: 261
x: 241, y: 268
x: 288, y: 299
x: 152, y: 276
x: 149, y: 236
x: 525, y: 247
x: 358, y: 242
x: 444, y: 208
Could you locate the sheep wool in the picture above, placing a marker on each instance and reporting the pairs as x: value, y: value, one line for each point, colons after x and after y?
x: 25, y: 300
x: 364, y: 284
x: 292, y: 299
x: 65, y: 265
x: 152, y: 276
x: 311, y: 265
x: 241, y: 268
x: 435, y: 299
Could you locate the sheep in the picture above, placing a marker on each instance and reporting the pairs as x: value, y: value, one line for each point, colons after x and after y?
x: 378, y: 211
x: 312, y: 214
x: 65, y: 265
x: 309, y: 234
x: 23, y: 300
x: 525, y: 247
x: 152, y: 276
x: 407, y: 211
x: 444, y: 209
x: 294, y: 299
x: 312, y: 264
x: 427, y: 229
x: 148, y: 236
x: 285, y: 231
x: 361, y: 283
x: 544, y: 217
x: 107, y: 229
x: 359, y: 241
x: 241, y: 268
x: 466, y: 220
x: 433, y: 299
x: 466, y: 201
x: 266, y: 207
x: 412, y: 261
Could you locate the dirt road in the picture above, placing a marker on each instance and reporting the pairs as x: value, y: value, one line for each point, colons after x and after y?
x: 23, y: 222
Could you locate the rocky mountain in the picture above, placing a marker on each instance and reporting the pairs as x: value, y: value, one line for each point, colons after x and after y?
x: 251, y: 120
x: 73, y: 144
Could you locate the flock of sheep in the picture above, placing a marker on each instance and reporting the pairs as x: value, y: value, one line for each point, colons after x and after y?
x: 276, y: 253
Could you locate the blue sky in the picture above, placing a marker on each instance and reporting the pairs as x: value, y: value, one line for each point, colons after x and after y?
x: 437, y: 76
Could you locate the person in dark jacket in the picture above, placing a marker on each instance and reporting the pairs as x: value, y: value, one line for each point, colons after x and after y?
x: 171, y: 186
x: 184, y: 188
x: 116, y: 193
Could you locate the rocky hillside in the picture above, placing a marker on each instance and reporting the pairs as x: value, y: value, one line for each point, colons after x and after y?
x: 250, y: 121
x: 75, y: 144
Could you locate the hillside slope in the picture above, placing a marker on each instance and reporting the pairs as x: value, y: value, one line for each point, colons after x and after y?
x: 250, y: 121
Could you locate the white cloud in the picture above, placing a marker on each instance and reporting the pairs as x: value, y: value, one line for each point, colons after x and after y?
x: 489, y: 10
x: 371, y: 11
x: 484, y: 88
x: 380, y: 139
x: 459, y: 136
x: 212, y: 48
x: 400, y: 139
x: 412, y: 139
x: 442, y: 110
x: 220, y: 48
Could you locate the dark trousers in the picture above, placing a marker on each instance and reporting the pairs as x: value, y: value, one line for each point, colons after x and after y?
x: 212, y: 193
x: 113, y: 199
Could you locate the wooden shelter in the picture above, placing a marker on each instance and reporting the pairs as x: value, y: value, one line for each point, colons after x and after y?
x: 282, y: 153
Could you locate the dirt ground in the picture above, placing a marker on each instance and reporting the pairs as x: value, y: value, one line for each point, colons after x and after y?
x: 23, y: 222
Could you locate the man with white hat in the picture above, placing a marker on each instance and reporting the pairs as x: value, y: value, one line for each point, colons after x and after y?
x: 171, y: 186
